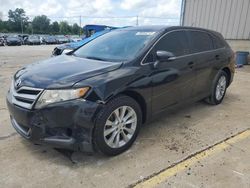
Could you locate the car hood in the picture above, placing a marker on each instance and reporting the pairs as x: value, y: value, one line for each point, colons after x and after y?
x: 62, y: 71
x: 33, y: 40
x: 63, y: 39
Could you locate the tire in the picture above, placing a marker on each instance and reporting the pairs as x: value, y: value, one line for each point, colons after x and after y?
x: 107, y: 120
x: 214, y: 98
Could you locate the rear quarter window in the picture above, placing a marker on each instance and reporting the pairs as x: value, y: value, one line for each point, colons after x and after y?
x: 200, y: 41
x: 217, y: 42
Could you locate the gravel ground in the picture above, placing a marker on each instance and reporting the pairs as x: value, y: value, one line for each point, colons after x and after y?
x: 160, y: 144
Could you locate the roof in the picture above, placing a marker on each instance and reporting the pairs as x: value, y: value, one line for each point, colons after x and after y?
x: 163, y: 28
x: 96, y: 27
x: 146, y: 28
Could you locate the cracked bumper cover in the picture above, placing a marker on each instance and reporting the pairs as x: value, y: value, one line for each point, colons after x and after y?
x: 66, y: 124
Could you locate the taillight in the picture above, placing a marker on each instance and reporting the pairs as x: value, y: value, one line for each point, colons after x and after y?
x: 234, y: 55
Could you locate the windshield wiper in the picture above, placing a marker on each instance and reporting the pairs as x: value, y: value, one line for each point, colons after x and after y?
x: 95, y: 58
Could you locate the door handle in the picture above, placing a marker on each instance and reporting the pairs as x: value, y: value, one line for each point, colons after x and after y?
x: 217, y: 57
x: 191, y: 64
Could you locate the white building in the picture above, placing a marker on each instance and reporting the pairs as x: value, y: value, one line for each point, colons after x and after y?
x: 229, y: 17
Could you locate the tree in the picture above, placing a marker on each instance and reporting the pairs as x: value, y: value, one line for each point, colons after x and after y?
x: 1, y: 25
x: 54, y: 27
x: 75, y: 29
x: 65, y: 28
x: 29, y: 29
x: 41, y: 24
x: 17, y: 20
x: 4, y: 26
x: 1, y: 16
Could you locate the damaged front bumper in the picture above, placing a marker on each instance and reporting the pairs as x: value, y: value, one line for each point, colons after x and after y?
x: 66, y: 124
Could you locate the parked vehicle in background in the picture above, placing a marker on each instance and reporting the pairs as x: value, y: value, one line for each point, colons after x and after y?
x: 23, y: 37
x: 91, y: 29
x: 33, y: 40
x: 1, y: 41
x: 42, y: 39
x: 50, y: 40
x: 68, y: 47
x: 13, y: 40
x: 97, y: 97
x: 75, y: 39
x: 61, y: 39
x: 91, y: 32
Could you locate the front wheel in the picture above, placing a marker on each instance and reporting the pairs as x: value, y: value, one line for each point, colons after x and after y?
x: 117, y: 125
x: 219, y: 88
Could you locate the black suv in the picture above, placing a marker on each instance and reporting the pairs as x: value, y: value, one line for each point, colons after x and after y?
x: 97, y: 97
x: 13, y: 41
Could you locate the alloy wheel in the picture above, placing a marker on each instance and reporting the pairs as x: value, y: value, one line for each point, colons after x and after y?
x: 120, y: 127
x: 221, y: 87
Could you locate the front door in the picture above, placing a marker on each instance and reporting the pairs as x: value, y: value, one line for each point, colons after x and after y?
x: 172, y: 81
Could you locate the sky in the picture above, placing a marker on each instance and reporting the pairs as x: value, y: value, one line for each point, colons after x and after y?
x: 109, y: 12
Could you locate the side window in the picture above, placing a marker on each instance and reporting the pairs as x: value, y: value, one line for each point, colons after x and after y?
x: 218, y: 43
x: 200, y: 41
x: 150, y: 58
x: 175, y: 42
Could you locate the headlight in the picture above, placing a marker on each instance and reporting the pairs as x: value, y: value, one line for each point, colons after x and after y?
x: 53, y: 96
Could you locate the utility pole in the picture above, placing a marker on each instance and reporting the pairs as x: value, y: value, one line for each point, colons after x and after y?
x: 137, y: 20
x: 22, y: 25
x: 183, y: 4
x: 80, y: 22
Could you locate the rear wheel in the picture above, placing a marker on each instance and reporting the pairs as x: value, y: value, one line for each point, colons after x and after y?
x: 117, y: 125
x: 218, y: 89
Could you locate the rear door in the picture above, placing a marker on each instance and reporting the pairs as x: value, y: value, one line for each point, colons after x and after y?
x: 172, y: 81
x: 205, y: 57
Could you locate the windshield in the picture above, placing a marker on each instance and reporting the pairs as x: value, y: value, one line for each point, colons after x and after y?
x: 61, y: 37
x: 33, y: 37
x: 115, y: 46
x: 13, y: 37
x: 50, y: 38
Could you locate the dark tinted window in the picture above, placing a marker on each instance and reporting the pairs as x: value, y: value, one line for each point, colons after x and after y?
x: 200, y: 41
x: 150, y: 58
x: 175, y: 42
x: 218, y: 43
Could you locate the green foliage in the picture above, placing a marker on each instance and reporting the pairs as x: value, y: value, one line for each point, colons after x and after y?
x: 29, y: 29
x: 1, y: 25
x: 65, y: 28
x: 54, y: 28
x: 18, y: 22
x: 4, y: 27
x: 75, y: 29
x: 41, y: 24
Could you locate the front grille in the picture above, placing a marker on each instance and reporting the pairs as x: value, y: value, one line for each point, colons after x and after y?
x: 24, y: 96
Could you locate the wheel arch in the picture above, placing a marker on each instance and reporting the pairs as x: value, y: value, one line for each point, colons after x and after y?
x: 228, y: 72
x: 140, y: 100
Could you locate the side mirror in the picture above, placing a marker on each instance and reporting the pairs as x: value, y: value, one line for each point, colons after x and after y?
x: 164, y: 55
